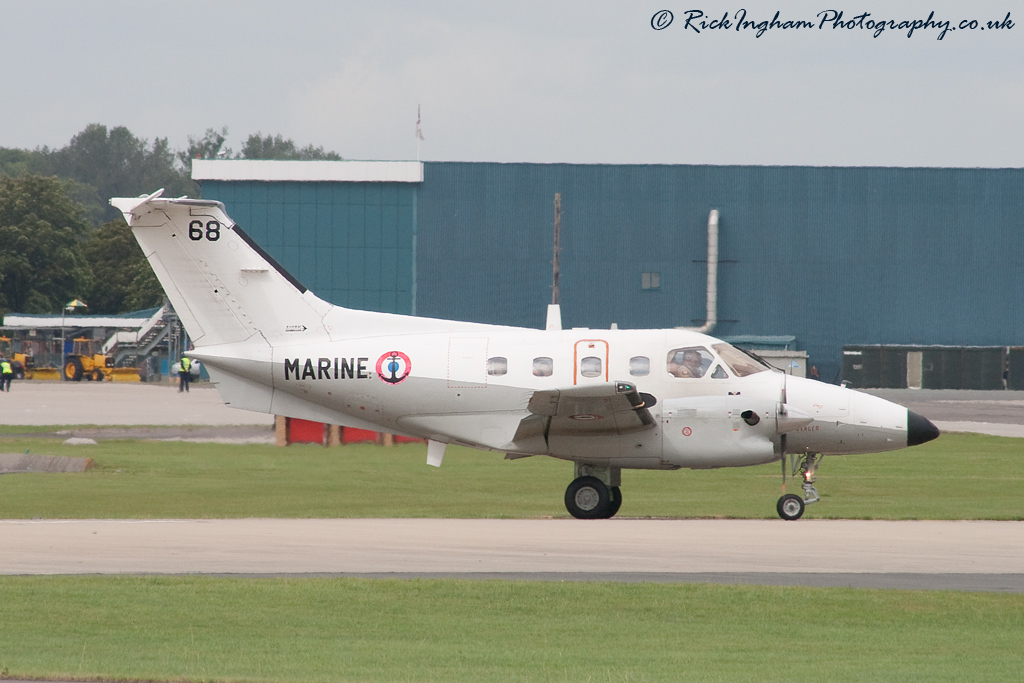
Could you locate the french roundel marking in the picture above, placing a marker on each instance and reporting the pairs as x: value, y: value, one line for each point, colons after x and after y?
x: 393, y: 367
x: 687, y: 431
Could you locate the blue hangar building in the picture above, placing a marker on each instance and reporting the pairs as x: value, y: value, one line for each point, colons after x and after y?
x: 835, y: 257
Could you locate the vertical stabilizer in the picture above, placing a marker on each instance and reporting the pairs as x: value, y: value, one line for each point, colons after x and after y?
x: 223, y: 286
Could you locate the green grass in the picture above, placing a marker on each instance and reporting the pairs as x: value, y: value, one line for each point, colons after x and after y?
x: 296, y: 630
x: 958, y: 476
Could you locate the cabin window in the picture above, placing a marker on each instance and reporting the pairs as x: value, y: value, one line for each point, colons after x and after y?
x: 497, y: 366
x: 590, y: 366
x: 691, y: 361
x: 740, y: 363
x: 650, y: 280
x: 543, y: 367
x: 639, y: 366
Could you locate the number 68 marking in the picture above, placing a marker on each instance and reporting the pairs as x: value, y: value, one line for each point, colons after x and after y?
x: 195, y: 231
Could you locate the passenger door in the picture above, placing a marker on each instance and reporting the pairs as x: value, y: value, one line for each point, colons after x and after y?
x: 590, y: 361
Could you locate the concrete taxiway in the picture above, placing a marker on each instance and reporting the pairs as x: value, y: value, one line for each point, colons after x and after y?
x: 967, y: 555
x: 32, y: 402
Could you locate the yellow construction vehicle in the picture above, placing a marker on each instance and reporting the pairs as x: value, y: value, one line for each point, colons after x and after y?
x: 20, y: 362
x: 82, y: 362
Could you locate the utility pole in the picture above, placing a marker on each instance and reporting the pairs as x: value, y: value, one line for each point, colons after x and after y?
x: 558, y: 230
x: 554, y: 320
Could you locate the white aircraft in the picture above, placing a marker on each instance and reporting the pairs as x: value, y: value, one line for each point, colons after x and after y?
x: 606, y: 400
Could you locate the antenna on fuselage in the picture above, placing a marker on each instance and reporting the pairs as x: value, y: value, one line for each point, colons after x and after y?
x: 554, y: 321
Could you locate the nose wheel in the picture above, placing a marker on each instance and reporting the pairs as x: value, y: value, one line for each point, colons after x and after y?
x: 791, y: 506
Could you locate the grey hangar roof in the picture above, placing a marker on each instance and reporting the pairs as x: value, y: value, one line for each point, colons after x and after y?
x: 832, y: 256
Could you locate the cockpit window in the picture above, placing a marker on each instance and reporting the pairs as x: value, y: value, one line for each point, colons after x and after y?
x: 691, y: 361
x: 719, y: 373
x: 740, y: 363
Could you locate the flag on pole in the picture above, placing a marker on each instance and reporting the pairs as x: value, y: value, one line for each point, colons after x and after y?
x: 419, y: 131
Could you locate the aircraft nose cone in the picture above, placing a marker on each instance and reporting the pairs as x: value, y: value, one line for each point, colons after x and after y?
x: 919, y: 429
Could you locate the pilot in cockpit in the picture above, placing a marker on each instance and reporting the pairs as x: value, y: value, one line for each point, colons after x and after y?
x: 686, y: 363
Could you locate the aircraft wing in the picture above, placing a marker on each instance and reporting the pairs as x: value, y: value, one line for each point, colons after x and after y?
x: 597, y: 410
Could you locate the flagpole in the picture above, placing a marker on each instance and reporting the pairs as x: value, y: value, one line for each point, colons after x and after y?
x: 419, y: 132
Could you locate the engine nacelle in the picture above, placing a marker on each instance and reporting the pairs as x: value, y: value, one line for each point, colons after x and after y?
x: 724, y: 431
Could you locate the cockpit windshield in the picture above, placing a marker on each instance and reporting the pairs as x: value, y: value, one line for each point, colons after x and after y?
x: 691, y: 361
x: 740, y: 363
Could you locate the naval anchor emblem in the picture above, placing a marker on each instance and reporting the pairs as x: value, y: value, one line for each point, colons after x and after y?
x: 393, y: 367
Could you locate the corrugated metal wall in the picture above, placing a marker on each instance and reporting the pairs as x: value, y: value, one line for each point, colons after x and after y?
x: 351, y: 243
x: 834, y: 256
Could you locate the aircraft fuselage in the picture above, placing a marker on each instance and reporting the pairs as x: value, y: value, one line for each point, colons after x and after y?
x: 473, y: 387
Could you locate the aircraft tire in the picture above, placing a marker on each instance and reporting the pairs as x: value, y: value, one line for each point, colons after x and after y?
x: 616, y: 500
x: 790, y: 507
x: 589, y: 498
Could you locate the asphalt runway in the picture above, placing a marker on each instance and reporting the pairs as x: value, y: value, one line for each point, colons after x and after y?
x: 973, y: 555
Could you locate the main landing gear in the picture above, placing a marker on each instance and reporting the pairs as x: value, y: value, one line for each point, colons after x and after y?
x: 791, y: 506
x: 594, y: 493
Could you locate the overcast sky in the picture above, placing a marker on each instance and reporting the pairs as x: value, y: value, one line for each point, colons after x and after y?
x: 549, y: 81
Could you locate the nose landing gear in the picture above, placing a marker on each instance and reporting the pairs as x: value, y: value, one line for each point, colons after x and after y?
x: 791, y: 506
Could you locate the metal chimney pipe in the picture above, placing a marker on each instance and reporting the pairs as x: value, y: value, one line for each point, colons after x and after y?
x: 712, y: 293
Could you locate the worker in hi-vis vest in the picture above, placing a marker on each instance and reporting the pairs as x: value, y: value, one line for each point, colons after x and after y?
x: 184, y: 373
x: 6, y: 374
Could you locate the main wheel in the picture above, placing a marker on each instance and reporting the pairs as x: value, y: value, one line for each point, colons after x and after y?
x: 73, y: 370
x: 588, y: 498
x: 790, y: 507
x: 616, y: 500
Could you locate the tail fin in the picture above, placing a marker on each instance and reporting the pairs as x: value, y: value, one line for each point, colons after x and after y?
x: 223, y: 286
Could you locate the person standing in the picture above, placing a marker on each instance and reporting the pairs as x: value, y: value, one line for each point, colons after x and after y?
x: 184, y: 374
x: 6, y: 375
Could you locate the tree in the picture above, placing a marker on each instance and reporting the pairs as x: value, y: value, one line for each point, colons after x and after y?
x: 114, y: 163
x: 15, y: 161
x: 122, y: 278
x: 276, y: 147
x: 210, y: 146
x: 48, y: 251
x: 41, y: 230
